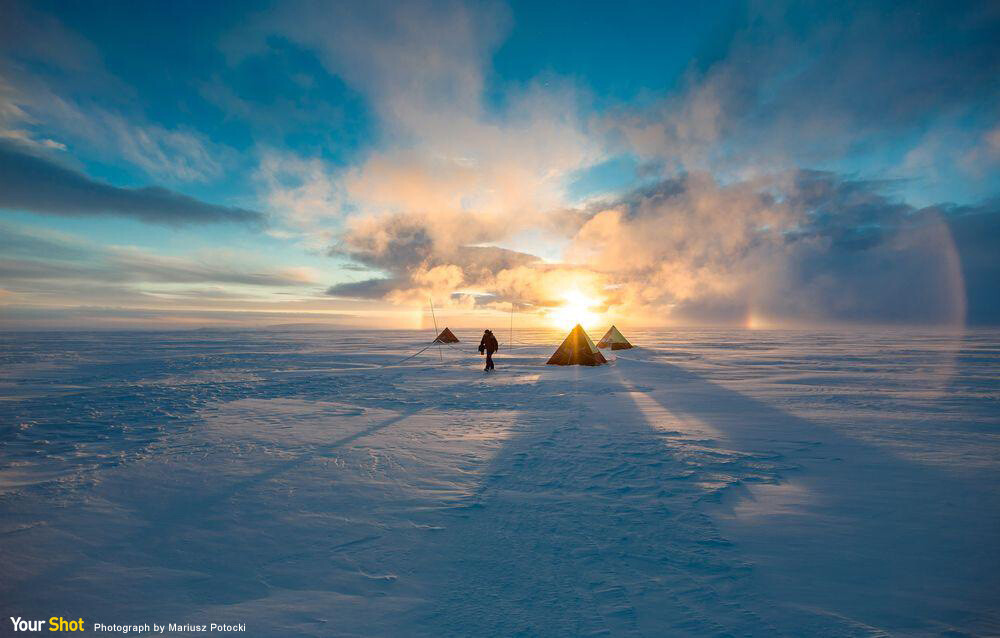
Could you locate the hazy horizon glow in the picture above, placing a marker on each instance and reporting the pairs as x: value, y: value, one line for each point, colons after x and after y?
x: 743, y: 164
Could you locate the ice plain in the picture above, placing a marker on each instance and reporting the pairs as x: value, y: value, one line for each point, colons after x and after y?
x: 307, y: 482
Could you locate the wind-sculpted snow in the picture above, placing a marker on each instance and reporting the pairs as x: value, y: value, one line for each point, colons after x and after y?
x: 707, y: 483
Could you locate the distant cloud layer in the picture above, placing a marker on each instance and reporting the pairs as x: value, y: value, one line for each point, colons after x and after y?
x: 38, y: 265
x: 34, y: 183
x: 26, y: 256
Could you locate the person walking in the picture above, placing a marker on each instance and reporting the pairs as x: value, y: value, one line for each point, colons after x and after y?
x: 489, y: 345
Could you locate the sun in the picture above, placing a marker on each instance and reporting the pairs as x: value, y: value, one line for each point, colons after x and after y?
x: 576, y: 308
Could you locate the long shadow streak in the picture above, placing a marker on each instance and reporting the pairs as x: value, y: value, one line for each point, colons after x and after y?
x: 898, y: 543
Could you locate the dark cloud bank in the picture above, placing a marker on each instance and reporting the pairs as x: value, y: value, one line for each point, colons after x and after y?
x: 33, y: 183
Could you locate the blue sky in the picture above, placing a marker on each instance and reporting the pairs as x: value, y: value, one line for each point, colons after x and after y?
x: 257, y: 163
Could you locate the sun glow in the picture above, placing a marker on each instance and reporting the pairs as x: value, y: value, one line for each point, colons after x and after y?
x: 577, y: 308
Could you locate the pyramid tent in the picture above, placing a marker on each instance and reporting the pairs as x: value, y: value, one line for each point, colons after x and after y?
x: 446, y: 336
x: 577, y: 350
x: 614, y: 340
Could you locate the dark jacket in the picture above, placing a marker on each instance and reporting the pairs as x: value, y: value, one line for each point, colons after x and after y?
x: 488, y: 343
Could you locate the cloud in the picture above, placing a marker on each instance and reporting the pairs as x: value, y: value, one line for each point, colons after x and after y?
x: 31, y: 257
x: 422, y: 260
x: 747, y: 214
x: 55, y: 90
x: 368, y: 288
x: 115, y: 317
x: 443, y: 154
x: 807, y: 247
x: 26, y: 33
x: 34, y: 183
x: 450, y: 175
x: 19, y: 242
x: 405, y: 56
x: 33, y: 113
x: 55, y: 280
x: 801, y: 248
x: 301, y: 189
x: 173, y: 154
x: 26, y: 139
x: 142, y: 266
x: 800, y: 84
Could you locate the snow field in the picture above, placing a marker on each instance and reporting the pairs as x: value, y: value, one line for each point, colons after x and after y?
x: 706, y: 484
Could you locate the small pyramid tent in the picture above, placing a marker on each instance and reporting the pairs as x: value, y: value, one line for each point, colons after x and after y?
x: 446, y: 336
x: 577, y: 350
x: 614, y: 340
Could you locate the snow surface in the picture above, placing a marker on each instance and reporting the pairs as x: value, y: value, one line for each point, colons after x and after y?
x: 707, y: 483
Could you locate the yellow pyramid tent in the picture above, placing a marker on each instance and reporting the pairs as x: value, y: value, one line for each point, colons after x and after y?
x: 446, y: 336
x: 577, y: 350
x: 614, y: 339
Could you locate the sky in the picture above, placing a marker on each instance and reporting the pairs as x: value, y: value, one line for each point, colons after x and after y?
x: 348, y: 164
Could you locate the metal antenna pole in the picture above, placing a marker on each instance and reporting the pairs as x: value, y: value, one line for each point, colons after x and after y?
x: 433, y: 316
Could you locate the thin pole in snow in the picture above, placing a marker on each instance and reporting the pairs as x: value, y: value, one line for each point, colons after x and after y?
x: 511, y: 343
x: 440, y: 356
